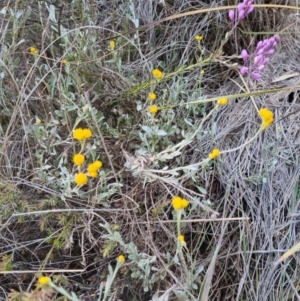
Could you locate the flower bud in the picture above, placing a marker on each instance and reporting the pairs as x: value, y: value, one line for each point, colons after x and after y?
x: 241, y: 14
x: 257, y: 59
x: 245, y: 55
x: 249, y: 9
x: 231, y: 14
x: 259, y: 45
x: 270, y: 51
x: 241, y: 6
x: 255, y: 75
x: 265, y: 61
x: 261, y: 67
x: 244, y: 70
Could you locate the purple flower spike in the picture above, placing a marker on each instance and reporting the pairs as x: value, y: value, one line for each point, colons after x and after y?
x: 231, y: 14
x: 244, y: 70
x: 255, y: 75
x: 245, y: 55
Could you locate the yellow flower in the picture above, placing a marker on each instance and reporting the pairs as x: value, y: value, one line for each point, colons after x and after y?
x: 176, y: 202
x: 81, y: 179
x: 78, y: 134
x: 112, y: 44
x: 152, y: 96
x: 93, y: 174
x: 215, y: 153
x: 202, y: 72
x: 44, y: 280
x: 33, y: 50
x: 38, y: 121
x: 64, y: 62
x: 181, y: 239
x: 267, y: 117
x: 157, y: 74
x: 121, y: 258
x: 184, y: 203
x: 98, y: 164
x: 198, y: 38
x: 82, y: 134
x: 78, y: 159
x: 87, y: 133
x: 222, y: 101
x: 153, y: 109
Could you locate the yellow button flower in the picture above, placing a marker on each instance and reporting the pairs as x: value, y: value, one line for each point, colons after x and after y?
x: 198, y: 38
x: 157, y: 74
x: 78, y: 159
x: 184, y: 203
x: 78, y: 134
x: 121, y: 258
x: 267, y: 117
x: 181, y: 239
x: 223, y: 101
x: 44, y: 280
x: 93, y: 174
x: 33, y: 50
x: 112, y: 44
x: 176, y: 202
x: 64, y: 62
x: 98, y: 164
x: 81, y: 179
x: 215, y: 153
x: 153, y: 109
x: 152, y: 96
x: 38, y: 121
x: 87, y: 133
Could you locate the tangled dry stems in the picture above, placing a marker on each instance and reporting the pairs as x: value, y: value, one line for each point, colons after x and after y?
x: 259, y: 181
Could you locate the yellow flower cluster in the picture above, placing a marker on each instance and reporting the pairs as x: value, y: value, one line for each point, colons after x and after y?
x: 157, y: 74
x: 214, y: 154
x: 198, y: 38
x: 82, y: 134
x: 79, y: 159
x: 179, y: 203
x: 93, y: 168
x: 267, y: 117
x: 121, y: 258
x: 44, y: 280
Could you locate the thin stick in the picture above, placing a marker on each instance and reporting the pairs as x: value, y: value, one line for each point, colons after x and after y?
x: 41, y: 271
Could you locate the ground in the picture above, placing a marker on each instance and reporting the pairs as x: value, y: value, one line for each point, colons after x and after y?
x: 138, y: 160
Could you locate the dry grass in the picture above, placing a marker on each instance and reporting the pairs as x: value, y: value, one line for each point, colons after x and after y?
x: 44, y: 227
